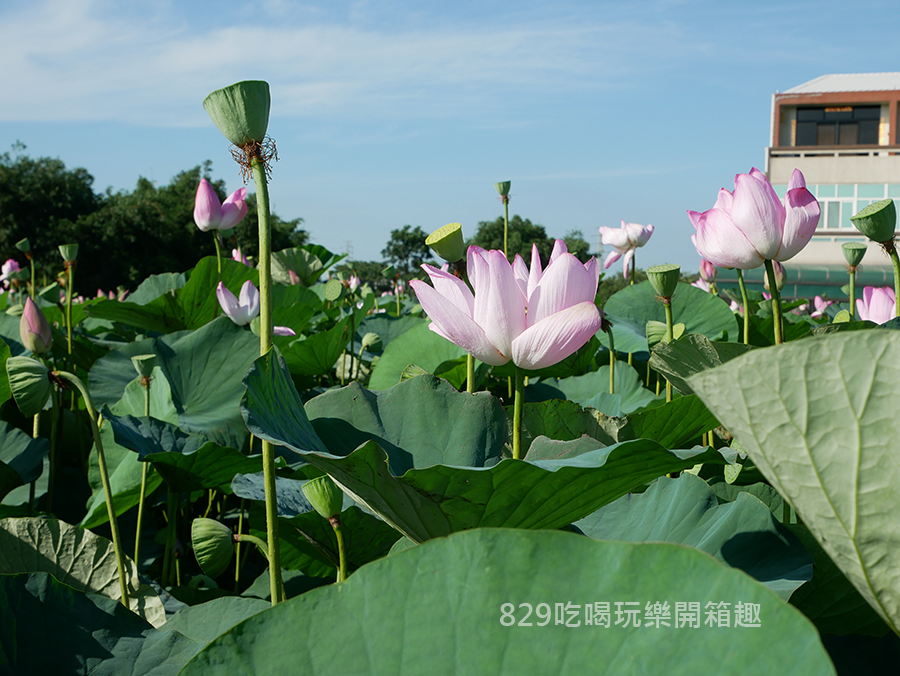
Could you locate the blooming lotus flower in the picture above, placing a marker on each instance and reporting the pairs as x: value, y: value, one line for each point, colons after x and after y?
x: 877, y: 304
x: 736, y: 308
x: 820, y: 305
x: 238, y: 255
x: 533, y: 317
x: 34, y: 329
x: 353, y: 284
x: 245, y: 308
x: 210, y: 214
x: 8, y: 270
x: 625, y: 239
x: 708, y: 271
x: 703, y: 285
x: 751, y: 225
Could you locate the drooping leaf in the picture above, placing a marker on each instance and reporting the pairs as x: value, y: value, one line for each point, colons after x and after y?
x: 592, y: 390
x: 676, y: 424
x: 819, y: 419
x: 463, y: 577
x: 692, y: 354
x: 21, y: 458
x: 743, y: 533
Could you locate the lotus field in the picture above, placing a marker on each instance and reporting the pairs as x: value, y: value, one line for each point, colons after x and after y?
x: 268, y: 469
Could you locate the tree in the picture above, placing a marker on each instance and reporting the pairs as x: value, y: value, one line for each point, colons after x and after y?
x: 407, y: 250
x: 522, y: 234
x: 577, y: 246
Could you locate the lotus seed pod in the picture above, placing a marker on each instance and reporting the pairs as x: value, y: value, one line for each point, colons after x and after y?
x: 213, y: 545
x: 143, y: 364
x: 877, y: 221
x: 664, y: 278
x: 854, y: 252
x: 241, y: 111
x: 502, y: 188
x: 24, y: 245
x: 447, y: 242
x: 372, y: 342
x: 69, y: 252
x: 389, y: 272
x: 333, y: 290
x: 30, y: 383
x: 324, y: 495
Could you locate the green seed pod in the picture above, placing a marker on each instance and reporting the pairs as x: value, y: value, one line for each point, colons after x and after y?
x: 241, y: 111
x: 143, y: 364
x: 854, y: 252
x: 372, y: 342
x: 447, y: 242
x: 30, y: 383
x: 24, y: 245
x: 324, y: 495
x: 213, y: 545
x: 502, y: 189
x: 333, y: 290
x: 389, y: 272
x: 664, y: 278
x: 69, y: 252
x: 877, y: 221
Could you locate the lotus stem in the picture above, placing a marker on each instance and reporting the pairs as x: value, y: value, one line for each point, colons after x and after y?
x: 895, y: 262
x: 266, y: 328
x: 252, y: 539
x: 612, y: 363
x: 144, y: 472
x: 470, y: 374
x: 35, y: 433
x: 506, y: 226
x: 670, y: 336
x: 335, y: 522
x: 54, y: 441
x: 776, y: 302
x: 237, y: 546
x: 517, y: 413
x: 70, y: 274
x: 104, y: 477
x: 740, y: 276
x: 852, y: 271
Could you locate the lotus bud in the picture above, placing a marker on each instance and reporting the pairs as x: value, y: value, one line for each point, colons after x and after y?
x: 877, y: 221
x: 447, y: 242
x: 24, y: 245
x: 293, y: 277
x: 29, y: 381
x: 502, y: 189
x: 213, y: 545
x: 69, y: 252
x: 372, y: 342
x: 143, y: 364
x: 664, y: 278
x: 241, y: 111
x: 854, y: 252
x: 34, y: 329
x: 708, y: 271
x: 780, y: 276
x: 333, y: 290
x: 325, y: 496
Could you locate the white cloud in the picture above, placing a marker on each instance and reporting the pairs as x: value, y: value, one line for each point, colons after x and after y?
x: 88, y: 60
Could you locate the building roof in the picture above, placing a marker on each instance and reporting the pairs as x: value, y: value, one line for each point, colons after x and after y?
x: 848, y: 82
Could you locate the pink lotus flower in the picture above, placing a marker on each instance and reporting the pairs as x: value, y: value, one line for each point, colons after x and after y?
x: 353, y: 284
x: 210, y: 214
x: 238, y: 255
x: 534, y: 317
x: 703, y: 285
x: 625, y: 240
x: 736, y: 308
x: 708, y: 271
x: 8, y: 270
x: 34, y: 329
x: 751, y: 225
x: 245, y: 308
x: 877, y: 304
x: 820, y: 305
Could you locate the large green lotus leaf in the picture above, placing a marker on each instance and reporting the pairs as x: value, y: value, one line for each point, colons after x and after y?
x: 829, y: 600
x: 743, y: 533
x: 133, y: 400
x: 21, y: 458
x: 316, y: 355
x: 5, y: 392
x: 819, y: 419
x: 189, y: 307
x: 726, y: 492
x: 76, y: 557
x: 630, y: 309
x: 293, y: 306
x: 186, y: 462
x: 675, y: 424
x: 576, y: 364
x: 156, y: 285
x: 204, y: 622
x: 306, y: 265
x: 9, y: 333
x: 403, y: 420
x: 565, y: 421
x: 420, y: 346
x: 203, y: 369
x: 592, y: 390
x: 466, y: 580
x: 387, y: 327
x: 690, y: 355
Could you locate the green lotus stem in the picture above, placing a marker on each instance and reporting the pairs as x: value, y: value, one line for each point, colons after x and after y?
x: 217, y: 240
x: 35, y: 433
x: 54, y: 442
x: 144, y: 471
x: 670, y: 337
x: 70, y: 274
x: 237, y: 546
x: 104, y: 477
x: 169, y: 555
x: 895, y: 262
x: 33, y: 288
x: 740, y: 276
x: 852, y: 272
x: 776, y: 302
x: 470, y: 374
x: 252, y: 539
x: 517, y: 413
x: 266, y: 328
x: 632, y: 273
x: 612, y: 364
x: 335, y: 522
x: 506, y: 226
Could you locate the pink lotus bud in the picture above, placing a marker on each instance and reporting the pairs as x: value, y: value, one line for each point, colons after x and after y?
x: 708, y: 271
x: 34, y: 330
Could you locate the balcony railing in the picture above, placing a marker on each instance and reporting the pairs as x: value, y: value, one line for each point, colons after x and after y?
x: 833, y: 151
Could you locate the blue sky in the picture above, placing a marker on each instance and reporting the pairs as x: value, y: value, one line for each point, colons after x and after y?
x: 388, y: 113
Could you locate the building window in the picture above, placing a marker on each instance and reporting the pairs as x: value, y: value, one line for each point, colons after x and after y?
x: 838, y: 125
